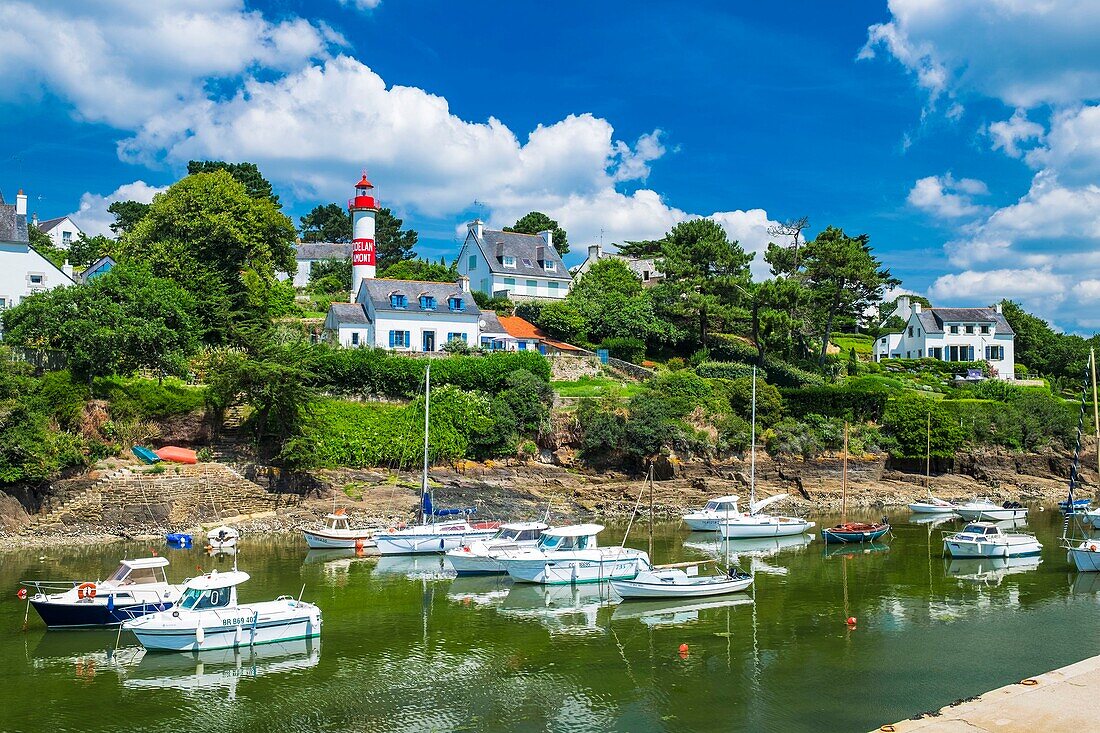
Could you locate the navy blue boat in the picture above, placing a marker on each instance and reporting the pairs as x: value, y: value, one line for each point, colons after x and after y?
x: 855, y: 532
x: 136, y: 588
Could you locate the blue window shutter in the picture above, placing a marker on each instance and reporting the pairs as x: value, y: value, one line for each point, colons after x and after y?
x: 391, y: 339
x: 408, y: 338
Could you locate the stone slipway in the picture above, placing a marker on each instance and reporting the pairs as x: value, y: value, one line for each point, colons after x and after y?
x: 1063, y: 700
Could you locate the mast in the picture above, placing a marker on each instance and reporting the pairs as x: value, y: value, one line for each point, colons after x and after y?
x: 928, y: 453
x: 752, y: 459
x: 651, y: 511
x: 424, y: 475
x: 1095, y: 409
x: 844, y: 480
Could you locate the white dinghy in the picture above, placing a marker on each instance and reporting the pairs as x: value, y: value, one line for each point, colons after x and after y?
x: 222, y: 538
x: 932, y: 506
x: 985, y: 510
x: 681, y: 583
x: 208, y: 616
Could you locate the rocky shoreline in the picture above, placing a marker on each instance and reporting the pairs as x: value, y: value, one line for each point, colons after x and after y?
x: 513, y: 489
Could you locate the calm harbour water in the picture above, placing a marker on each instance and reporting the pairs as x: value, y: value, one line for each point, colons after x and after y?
x: 406, y: 646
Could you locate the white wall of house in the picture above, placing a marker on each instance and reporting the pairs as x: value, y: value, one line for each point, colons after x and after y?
x: 24, y: 271
x: 473, y: 264
x: 64, y: 233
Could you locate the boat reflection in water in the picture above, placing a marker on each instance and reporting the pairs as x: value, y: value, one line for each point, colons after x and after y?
x: 222, y: 668
x: 415, y: 567
x: 479, y: 590
x: 854, y: 550
x: 567, y: 609
x: 677, y: 612
x: 990, y: 570
x: 932, y: 520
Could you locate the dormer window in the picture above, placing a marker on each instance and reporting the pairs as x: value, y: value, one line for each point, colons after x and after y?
x: 399, y: 301
x: 455, y: 303
x: 548, y: 265
x: 427, y: 302
x: 509, y: 261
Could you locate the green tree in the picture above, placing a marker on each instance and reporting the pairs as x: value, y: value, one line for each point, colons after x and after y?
x: 206, y: 232
x: 613, y: 304
x: 843, y: 279
x: 392, y: 243
x: 127, y: 215
x: 1043, y: 349
x: 86, y: 250
x: 248, y: 174
x: 706, y: 275
x: 42, y: 244
x: 536, y: 222
x: 326, y: 223
x: 558, y: 319
x: 125, y: 320
x: 420, y: 270
x: 330, y: 276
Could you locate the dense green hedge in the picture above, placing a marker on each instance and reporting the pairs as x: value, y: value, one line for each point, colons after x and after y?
x: 728, y: 370
x: 724, y: 347
x: 853, y: 404
x: 377, y: 372
x: 148, y: 398
x: 936, y: 366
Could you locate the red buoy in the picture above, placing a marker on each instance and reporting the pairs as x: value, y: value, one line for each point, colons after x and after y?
x: 683, y: 650
x: 851, y: 621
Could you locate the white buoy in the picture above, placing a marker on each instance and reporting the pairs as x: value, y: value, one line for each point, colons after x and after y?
x: 200, y: 636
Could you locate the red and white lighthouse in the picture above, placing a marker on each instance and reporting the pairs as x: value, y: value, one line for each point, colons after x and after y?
x: 363, y: 209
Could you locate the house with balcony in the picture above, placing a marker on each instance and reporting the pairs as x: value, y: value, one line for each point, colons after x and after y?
x: 952, y: 334
x: 512, y: 265
x: 406, y: 315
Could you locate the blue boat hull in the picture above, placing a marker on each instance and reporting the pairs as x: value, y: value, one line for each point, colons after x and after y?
x: 90, y: 615
x: 834, y: 537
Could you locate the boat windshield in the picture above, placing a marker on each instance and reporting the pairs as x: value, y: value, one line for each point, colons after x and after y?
x: 339, y: 523
x: 976, y: 529
x: 711, y: 506
x: 135, y: 576
x: 557, y: 542
x: 506, y: 534
x: 195, y: 599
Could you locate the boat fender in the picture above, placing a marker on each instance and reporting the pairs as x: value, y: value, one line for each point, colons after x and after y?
x: 200, y: 635
x: 392, y: 530
x: 21, y: 594
x: 85, y: 590
x: 1093, y: 547
x: 851, y: 621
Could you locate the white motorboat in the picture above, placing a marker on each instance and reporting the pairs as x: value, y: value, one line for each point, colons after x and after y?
x: 986, y: 539
x: 932, y: 506
x: 759, y: 524
x: 680, y: 583
x: 137, y: 587
x: 338, y: 534
x: 478, y: 558
x: 571, y: 555
x: 710, y: 516
x: 208, y: 616
x: 1090, y: 518
x: 222, y: 538
x: 985, y: 510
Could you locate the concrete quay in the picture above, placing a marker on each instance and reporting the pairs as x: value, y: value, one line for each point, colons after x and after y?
x: 1056, y: 701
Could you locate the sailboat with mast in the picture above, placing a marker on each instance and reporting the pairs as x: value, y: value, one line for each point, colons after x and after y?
x: 933, y: 505
x: 431, y: 535
x: 846, y: 531
x: 1083, y: 549
x: 755, y: 523
x: 679, y: 580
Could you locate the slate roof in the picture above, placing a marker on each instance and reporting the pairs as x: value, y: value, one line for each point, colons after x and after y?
x: 522, y: 247
x: 323, y: 251
x: 349, y: 313
x: 932, y: 319
x: 379, y: 291
x: 492, y: 323
x: 13, y: 227
x: 48, y: 224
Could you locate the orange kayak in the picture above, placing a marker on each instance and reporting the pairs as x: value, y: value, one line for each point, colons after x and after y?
x: 177, y: 454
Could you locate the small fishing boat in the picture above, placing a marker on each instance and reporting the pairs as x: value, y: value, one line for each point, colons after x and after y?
x: 852, y: 532
x: 479, y: 558
x: 337, y: 534
x: 145, y: 455
x: 677, y: 582
x: 208, y: 616
x: 222, y: 538
x: 1085, y: 555
x: 983, y: 509
x: 180, y: 540
x: 1078, y: 506
x: 570, y: 556
x: 986, y: 539
x: 710, y: 516
x: 932, y: 506
x: 137, y: 587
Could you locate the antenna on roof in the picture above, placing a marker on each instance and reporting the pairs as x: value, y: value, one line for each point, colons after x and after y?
x: 480, y: 206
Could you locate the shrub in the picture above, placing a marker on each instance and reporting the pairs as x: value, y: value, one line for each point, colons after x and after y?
x: 675, y: 364
x: 148, y: 398
x: 627, y: 349
x: 603, y: 427
x: 738, y: 394
x: 529, y: 399
x: 935, y: 366
x: 727, y: 347
x: 853, y: 404
x: 907, y: 419
x: 1020, y: 370
x: 728, y: 370
x: 784, y: 374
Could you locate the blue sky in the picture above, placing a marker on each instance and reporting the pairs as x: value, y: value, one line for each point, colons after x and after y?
x: 961, y: 135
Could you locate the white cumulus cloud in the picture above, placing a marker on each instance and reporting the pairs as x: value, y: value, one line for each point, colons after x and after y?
x: 92, y: 216
x: 947, y: 198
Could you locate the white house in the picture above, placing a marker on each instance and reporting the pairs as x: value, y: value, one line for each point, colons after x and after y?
x: 645, y: 268
x: 952, y: 334
x: 62, y: 230
x: 517, y: 266
x: 406, y: 315
x: 23, y: 270
x: 306, y: 253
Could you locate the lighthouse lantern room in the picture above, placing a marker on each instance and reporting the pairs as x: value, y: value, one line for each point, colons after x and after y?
x: 363, y: 210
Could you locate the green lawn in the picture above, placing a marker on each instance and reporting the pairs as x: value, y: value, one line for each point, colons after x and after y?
x: 862, y: 343
x: 594, y: 387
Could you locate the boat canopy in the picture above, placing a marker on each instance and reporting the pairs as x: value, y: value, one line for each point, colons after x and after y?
x: 731, y: 498
x: 576, y: 530
x: 214, y: 579
x: 453, y: 512
x: 763, y: 503
x: 145, y: 562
